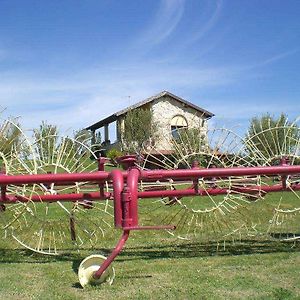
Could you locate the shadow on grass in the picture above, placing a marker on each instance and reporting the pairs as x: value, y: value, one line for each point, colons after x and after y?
x: 27, y: 256
x: 185, y: 250
x: 164, y: 249
x: 77, y: 285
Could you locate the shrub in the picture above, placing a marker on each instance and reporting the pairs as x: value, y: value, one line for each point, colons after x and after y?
x: 113, y: 154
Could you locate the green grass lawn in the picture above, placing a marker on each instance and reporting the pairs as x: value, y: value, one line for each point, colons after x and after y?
x: 155, y: 265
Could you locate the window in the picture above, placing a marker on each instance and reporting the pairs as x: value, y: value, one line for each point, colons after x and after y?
x: 177, y: 123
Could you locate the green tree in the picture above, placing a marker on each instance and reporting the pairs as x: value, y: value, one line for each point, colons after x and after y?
x: 139, y: 128
x: 190, y: 145
x: 83, y: 136
x: 270, y: 138
x: 46, y: 140
x: 84, y: 139
x: 10, y: 137
x: 96, y: 143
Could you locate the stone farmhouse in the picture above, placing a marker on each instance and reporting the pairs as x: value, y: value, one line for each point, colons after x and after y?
x: 170, y: 113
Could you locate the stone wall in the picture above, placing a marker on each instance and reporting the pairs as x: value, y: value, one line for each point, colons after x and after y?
x: 164, y: 110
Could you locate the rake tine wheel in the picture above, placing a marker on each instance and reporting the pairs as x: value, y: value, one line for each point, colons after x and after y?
x: 206, y: 217
x: 279, y: 144
x: 13, y: 141
x: 54, y: 227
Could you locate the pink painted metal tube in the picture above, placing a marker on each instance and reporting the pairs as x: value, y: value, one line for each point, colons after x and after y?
x: 53, y: 178
x: 178, y: 193
x: 149, y: 175
x: 219, y: 172
x: 159, y: 227
x: 132, y: 185
x: 146, y: 194
x: 54, y: 198
x: 118, y: 185
x: 113, y: 255
x: 214, y: 191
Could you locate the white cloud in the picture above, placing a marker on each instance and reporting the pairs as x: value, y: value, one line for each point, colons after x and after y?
x: 208, y: 25
x: 84, y: 98
x: 270, y: 60
x: 164, y: 23
x: 248, y: 108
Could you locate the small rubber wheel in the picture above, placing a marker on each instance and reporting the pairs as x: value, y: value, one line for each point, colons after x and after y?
x: 89, y: 266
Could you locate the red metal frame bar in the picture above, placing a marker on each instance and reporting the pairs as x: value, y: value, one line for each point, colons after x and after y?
x: 253, y: 189
x: 57, y: 197
x: 150, y: 175
x: 113, y: 255
x: 219, y: 172
x: 54, y: 178
x: 116, y: 196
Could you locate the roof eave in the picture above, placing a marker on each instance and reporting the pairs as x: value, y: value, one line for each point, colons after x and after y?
x: 102, y: 122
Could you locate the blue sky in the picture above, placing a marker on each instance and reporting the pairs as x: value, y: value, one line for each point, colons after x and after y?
x: 74, y: 62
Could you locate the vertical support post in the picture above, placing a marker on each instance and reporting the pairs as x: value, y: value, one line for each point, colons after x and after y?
x: 101, y: 165
x: 126, y: 199
x: 101, y: 162
x: 93, y: 140
x: 130, y: 199
x: 118, y: 130
x: 106, y: 133
x: 118, y: 185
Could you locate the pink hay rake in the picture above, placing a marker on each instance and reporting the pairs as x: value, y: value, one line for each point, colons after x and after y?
x: 126, y: 193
